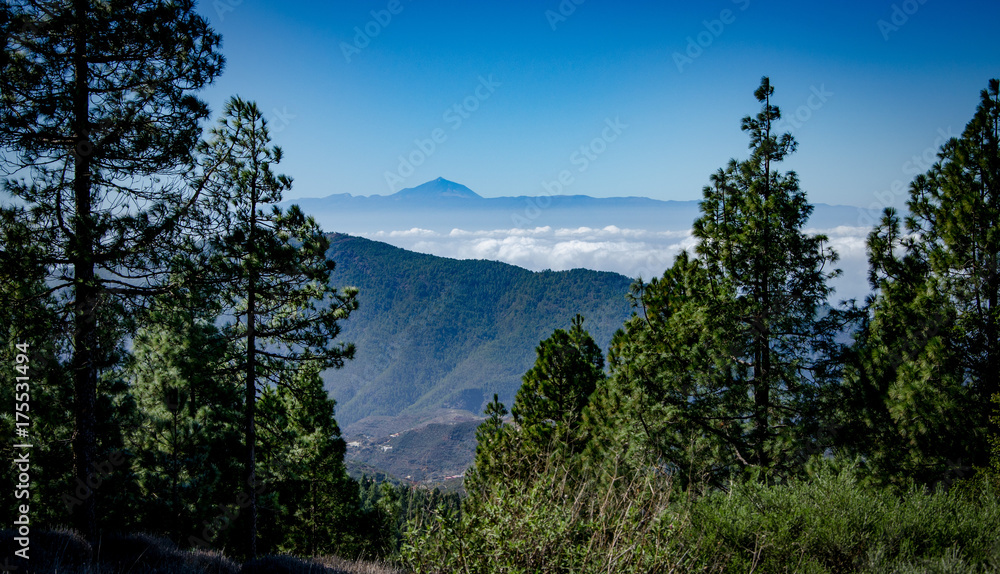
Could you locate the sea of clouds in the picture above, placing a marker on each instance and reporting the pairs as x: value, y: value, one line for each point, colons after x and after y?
x: 631, y: 252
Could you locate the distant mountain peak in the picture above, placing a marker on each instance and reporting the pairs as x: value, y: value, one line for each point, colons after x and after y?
x: 439, y: 187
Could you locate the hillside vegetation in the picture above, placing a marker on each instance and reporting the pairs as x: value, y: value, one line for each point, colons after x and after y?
x: 434, y: 333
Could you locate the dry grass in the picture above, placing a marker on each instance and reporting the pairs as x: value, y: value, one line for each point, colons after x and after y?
x: 66, y: 552
x: 50, y: 551
x: 283, y: 565
x: 359, y: 566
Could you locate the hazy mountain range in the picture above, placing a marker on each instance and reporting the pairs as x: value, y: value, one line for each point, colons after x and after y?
x: 633, y: 236
x: 441, y: 205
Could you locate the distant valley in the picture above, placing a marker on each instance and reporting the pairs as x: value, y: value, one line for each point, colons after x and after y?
x: 437, y: 451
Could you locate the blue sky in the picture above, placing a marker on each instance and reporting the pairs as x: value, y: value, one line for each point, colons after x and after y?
x: 653, y: 93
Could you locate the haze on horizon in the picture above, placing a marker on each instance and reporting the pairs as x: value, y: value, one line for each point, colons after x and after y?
x: 635, y: 237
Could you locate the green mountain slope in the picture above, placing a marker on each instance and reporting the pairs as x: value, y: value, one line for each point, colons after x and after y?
x: 435, y: 333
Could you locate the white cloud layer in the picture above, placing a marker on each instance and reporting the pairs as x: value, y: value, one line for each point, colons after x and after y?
x: 631, y: 252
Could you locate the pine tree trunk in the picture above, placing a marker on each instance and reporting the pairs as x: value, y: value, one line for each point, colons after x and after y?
x: 81, y: 256
x: 251, y: 391
x: 991, y: 375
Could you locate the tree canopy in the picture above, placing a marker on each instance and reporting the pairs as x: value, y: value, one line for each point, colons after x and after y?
x: 98, y: 124
x: 927, y: 361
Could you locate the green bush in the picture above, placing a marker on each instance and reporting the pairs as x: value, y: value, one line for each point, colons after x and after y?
x: 830, y: 522
x: 557, y: 524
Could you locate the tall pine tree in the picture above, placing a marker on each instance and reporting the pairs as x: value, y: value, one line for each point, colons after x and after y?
x: 275, y: 271
x: 733, y: 348
x: 548, y: 411
x: 549, y: 405
x: 97, y: 126
x: 315, y: 506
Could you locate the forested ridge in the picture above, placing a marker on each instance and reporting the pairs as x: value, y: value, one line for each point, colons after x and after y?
x: 437, y: 332
x: 165, y: 327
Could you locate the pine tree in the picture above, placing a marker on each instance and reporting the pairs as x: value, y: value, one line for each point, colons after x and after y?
x: 495, y: 412
x: 97, y: 126
x: 547, y: 412
x: 549, y: 405
x: 190, y: 415
x: 670, y: 366
x: 733, y: 348
x: 275, y: 271
x: 494, y: 448
x: 316, y: 505
x: 928, y: 359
